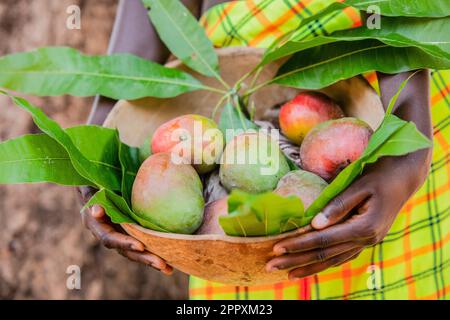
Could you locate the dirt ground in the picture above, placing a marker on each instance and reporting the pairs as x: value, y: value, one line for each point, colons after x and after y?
x: 41, y: 234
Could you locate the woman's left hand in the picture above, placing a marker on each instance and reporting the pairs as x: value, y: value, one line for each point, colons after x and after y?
x: 359, y: 217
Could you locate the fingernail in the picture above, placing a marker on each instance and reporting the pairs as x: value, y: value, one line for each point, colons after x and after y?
x: 320, y: 221
x: 96, y: 211
x: 271, y: 268
x: 279, y: 251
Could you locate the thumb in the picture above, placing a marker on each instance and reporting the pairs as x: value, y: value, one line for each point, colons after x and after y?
x: 339, y: 207
x: 97, y: 212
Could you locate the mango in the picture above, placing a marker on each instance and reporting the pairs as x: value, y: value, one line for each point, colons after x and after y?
x: 298, y: 116
x: 194, y: 139
x: 333, y: 145
x: 303, y: 184
x: 252, y: 162
x: 168, y: 194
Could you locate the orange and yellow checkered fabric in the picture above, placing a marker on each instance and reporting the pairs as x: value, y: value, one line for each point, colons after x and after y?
x: 413, y: 261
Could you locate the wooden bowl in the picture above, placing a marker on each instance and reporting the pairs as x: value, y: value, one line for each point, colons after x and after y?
x: 219, y: 258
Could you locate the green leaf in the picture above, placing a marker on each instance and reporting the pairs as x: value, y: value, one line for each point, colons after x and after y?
x: 405, y: 140
x: 120, y: 203
x: 233, y: 122
x: 37, y: 158
x: 262, y: 214
x: 427, y: 34
x: 119, y: 211
x: 183, y: 35
x: 130, y: 163
x: 394, y: 137
x: 102, y: 174
x: 319, y: 67
x: 116, y: 214
x: 40, y: 158
x: 397, y: 94
x: 58, y: 71
x: 412, y: 8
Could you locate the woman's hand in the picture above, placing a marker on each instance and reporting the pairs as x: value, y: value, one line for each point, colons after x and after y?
x: 359, y: 217
x: 112, y: 237
x: 363, y: 214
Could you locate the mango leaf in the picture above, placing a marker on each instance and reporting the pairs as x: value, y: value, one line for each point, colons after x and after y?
x: 37, y: 158
x: 183, y: 35
x: 319, y: 67
x: 394, y: 137
x: 262, y: 214
x: 130, y: 163
x: 233, y: 122
x: 100, y: 173
x: 117, y: 215
x: 403, y: 141
x: 395, y: 97
x: 57, y: 71
x: 411, y: 8
x: 427, y: 34
x: 125, y: 208
x: 40, y: 158
x: 118, y: 210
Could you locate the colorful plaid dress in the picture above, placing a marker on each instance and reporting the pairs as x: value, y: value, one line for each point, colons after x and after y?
x: 413, y: 261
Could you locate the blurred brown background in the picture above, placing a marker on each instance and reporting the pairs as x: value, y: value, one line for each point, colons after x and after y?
x: 40, y: 229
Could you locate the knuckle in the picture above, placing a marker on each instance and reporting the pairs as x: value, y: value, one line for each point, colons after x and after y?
x: 105, y: 240
x: 322, y: 240
x: 338, y: 204
x: 369, y: 230
x: 321, y: 255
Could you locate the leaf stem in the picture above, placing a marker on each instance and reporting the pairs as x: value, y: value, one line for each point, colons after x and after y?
x: 212, y: 89
x: 237, y: 105
x: 252, y: 90
x: 220, y: 79
x: 219, y: 103
x: 244, y: 77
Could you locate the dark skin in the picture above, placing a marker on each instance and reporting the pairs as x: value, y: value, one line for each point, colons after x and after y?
x: 359, y: 217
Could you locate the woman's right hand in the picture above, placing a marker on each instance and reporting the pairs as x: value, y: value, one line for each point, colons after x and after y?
x: 112, y: 237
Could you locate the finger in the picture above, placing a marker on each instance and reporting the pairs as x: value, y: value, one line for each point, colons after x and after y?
x: 356, y: 255
x: 97, y: 212
x: 110, y: 238
x: 309, y: 257
x: 321, y: 266
x: 148, y: 259
x: 340, y: 206
x: 321, y: 239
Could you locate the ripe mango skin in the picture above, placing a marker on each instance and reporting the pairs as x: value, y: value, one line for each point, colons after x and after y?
x: 168, y: 194
x: 332, y: 145
x: 303, y: 184
x: 308, y: 109
x: 248, y: 176
x: 169, y: 135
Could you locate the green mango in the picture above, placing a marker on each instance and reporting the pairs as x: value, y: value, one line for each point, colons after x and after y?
x: 168, y: 194
x: 252, y: 162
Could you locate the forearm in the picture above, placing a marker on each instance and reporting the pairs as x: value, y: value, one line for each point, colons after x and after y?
x: 413, y: 105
